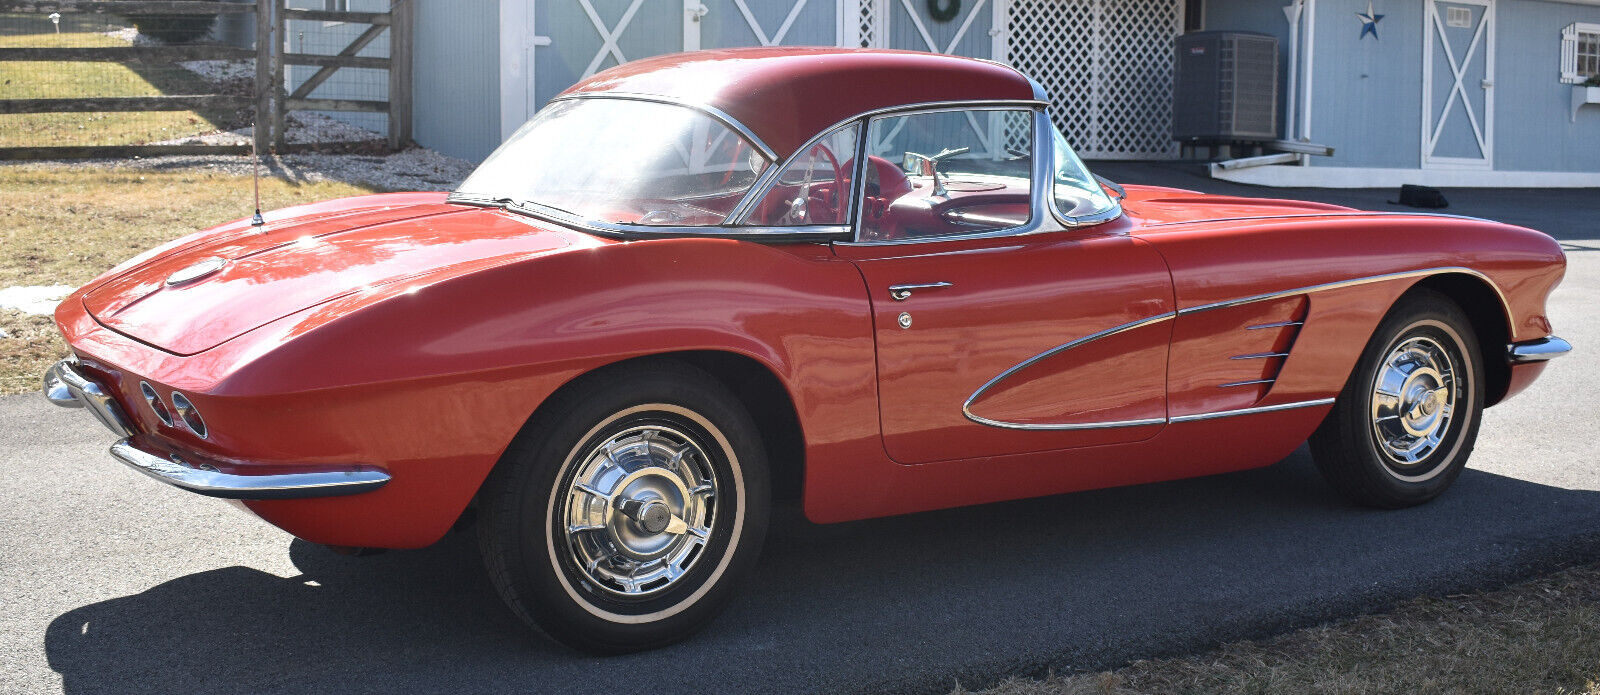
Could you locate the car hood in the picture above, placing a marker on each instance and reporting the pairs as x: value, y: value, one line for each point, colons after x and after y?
x: 1157, y: 206
x: 245, y: 276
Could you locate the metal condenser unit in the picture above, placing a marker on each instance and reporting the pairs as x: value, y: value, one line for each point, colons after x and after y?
x: 1225, y: 87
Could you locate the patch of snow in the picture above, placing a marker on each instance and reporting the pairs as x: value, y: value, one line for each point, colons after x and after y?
x: 221, y: 70
x: 303, y: 129
x: 132, y: 35
x: 40, y: 300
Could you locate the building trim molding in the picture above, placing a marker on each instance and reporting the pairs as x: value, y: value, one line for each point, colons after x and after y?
x: 1289, y: 176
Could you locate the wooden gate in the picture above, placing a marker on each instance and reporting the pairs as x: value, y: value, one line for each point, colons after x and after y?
x: 36, y: 49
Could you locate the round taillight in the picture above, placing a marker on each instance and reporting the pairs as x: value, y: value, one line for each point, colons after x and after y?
x: 190, y: 416
x: 152, y: 399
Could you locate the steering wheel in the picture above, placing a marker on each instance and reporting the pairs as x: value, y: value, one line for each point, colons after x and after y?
x: 799, y: 209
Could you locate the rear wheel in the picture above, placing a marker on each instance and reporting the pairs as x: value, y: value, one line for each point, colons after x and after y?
x: 625, y: 515
x: 1403, y: 427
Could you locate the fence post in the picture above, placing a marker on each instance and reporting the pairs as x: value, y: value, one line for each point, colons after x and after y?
x: 263, y: 120
x: 400, y: 16
x: 279, y: 95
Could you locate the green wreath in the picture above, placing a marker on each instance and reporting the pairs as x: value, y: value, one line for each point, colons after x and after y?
x: 944, y: 10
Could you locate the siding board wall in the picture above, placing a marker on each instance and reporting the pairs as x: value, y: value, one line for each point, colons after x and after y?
x: 456, y: 77
x: 1534, y: 130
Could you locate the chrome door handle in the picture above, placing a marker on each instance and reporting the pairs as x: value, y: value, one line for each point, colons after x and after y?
x: 901, y: 293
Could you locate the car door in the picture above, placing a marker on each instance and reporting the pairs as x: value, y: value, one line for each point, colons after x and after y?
x: 999, y: 330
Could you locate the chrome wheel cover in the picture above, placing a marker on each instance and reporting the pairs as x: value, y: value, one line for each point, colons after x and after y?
x: 1414, y: 400
x: 639, y: 510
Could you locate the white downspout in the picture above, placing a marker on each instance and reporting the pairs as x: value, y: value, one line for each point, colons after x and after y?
x: 1310, y: 41
x: 1291, y: 115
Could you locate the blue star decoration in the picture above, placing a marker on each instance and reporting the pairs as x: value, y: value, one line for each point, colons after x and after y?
x: 1369, y: 22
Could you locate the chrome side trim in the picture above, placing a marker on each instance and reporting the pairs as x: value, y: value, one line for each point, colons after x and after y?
x: 65, y: 386
x: 1251, y: 411
x: 1251, y: 382
x: 1330, y: 213
x: 966, y: 408
x: 1058, y: 427
x: 1547, y: 348
x: 1424, y: 272
x: 707, y: 109
x: 1275, y: 324
x: 178, y: 473
x: 1259, y: 356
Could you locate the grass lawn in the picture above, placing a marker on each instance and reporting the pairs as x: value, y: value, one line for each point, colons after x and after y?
x: 64, y: 80
x: 1540, y: 636
x: 64, y: 226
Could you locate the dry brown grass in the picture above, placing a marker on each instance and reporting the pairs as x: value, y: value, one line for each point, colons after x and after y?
x: 1541, y: 636
x: 64, y: 226
x: 30, y: 345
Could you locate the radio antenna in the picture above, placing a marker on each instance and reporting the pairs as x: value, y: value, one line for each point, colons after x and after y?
x: 255, y: 163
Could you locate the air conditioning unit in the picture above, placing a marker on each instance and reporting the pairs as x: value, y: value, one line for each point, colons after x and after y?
x: 1225, y: 88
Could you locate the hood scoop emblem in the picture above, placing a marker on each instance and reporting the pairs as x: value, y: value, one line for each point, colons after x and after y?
x: 195, y: 272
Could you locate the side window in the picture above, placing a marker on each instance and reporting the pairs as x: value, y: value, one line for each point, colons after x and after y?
x: 947, y: 173
x: 814, y: 189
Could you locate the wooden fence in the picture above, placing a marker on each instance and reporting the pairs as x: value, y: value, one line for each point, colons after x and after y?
x: 270, y: 103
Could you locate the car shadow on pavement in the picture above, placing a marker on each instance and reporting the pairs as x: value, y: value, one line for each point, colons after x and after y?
x: 908, y: 603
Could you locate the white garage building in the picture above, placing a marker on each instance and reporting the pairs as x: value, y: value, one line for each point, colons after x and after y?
x: 482, y: 67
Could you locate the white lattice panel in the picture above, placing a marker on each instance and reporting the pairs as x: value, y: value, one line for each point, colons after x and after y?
x: 864, y: 22
x: 1107, y: 65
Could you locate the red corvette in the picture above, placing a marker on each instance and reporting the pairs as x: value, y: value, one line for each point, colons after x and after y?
x: 879, y: 281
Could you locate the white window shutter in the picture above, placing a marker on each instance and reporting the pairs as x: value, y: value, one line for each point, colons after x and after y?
x: 1569, y: 55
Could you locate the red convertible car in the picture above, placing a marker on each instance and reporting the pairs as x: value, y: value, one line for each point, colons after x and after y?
x: 878, y: 281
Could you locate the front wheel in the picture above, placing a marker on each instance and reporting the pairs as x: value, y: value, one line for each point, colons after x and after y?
x: 626, y: 513
x: 1403, y: 427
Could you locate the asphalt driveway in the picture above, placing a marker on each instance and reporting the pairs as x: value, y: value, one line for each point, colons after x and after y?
x: 112, y: 583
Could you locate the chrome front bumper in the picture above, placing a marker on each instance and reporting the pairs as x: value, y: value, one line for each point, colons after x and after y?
x: 65, y: 385
x: 1537, y: 350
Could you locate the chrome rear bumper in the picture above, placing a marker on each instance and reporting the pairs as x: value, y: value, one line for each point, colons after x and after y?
x: 67, y: 386
x: 1539, y: 350
x: 196, y: 475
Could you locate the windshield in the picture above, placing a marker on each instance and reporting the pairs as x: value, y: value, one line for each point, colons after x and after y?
x: 1076, y: 192
x: 622, y: 161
